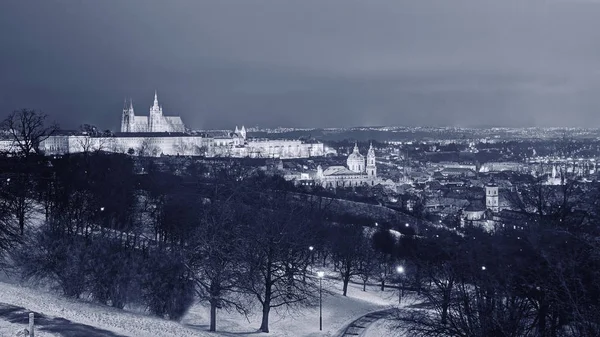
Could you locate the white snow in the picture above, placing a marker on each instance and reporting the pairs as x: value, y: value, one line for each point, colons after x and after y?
x: 8, y: 329
x: 383, y: 327
x: 338, y: 311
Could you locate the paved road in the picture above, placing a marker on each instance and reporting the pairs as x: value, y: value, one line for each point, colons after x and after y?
x: 360, y: 325
x: 54, y: 325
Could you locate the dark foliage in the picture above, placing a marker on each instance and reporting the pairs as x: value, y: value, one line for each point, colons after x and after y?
x: 167, y: 286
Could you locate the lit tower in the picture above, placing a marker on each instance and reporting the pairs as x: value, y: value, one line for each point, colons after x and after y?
x: 491, y: 196
x: 371, y: 167
x: 128, y: 121
x: 155, y: 118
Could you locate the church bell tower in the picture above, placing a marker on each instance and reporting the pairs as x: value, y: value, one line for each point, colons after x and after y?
x: 371, y: 166
x: 491, y: 196
x: 128, y: 121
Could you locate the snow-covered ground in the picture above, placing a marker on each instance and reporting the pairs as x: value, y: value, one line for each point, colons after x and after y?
x: 384, y: 327
x: 338, y: 311
x: 8, y: 329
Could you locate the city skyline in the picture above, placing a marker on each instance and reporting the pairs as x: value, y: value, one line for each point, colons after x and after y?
x: 305, y: 64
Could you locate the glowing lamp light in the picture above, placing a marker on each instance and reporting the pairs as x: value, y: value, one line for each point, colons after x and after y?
x: 400, y: 270
x: 320, y: 274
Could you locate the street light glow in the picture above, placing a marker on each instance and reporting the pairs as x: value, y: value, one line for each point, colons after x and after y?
x: 400, y: 270
x: 320, y: 274
x: 407, y: 225
x: 482, y: 267
x: 311, y: 248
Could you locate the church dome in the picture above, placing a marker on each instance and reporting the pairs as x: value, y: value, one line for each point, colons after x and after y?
x: 356, y: 161
x: 354, y: 156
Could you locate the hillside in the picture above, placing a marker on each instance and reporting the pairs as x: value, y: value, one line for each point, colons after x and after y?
x: 338, y: 311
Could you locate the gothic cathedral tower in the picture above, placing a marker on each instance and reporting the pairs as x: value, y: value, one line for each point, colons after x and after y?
x: 128, y: 121
x: 371, y: 167
x: 155, y: 119
x: 491, y: 197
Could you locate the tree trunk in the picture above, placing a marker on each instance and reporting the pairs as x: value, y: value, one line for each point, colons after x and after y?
x: 22, y: 217
x: 364, y: 285
x: 346, y: 280
x: 264, y: 326
x: 213, y: 315
x: 445, y: 305
x: 382, y: 284
x: 542, y: 313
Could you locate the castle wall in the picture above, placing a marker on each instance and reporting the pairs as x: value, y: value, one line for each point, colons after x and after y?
x: 175, y: 145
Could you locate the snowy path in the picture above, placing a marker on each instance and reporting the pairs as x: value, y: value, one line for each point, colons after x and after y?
x: 359, y: 326
x: 59, y: 326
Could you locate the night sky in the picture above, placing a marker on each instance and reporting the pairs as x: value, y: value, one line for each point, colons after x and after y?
x: 305, y: 63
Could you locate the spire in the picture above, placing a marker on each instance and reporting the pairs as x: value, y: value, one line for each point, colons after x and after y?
x: 371, y: 152
x: 355, y: 147
x: 236, y: 129
x: 155, y: 98
x: 130, y: 105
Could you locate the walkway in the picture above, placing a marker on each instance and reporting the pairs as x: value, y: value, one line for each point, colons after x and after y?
x: 360, y: 325
x: 55, y: 325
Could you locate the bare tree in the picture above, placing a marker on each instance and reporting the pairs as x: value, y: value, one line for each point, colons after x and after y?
x: 147, y: 148
x: 347, y: 252
x: 215, y: 256
x: 28, y: 130
x: 277, y: 240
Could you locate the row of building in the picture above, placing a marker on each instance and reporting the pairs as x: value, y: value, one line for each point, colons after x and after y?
x: 156, y: 135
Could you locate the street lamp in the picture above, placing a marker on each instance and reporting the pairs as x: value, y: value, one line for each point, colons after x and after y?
x: 483, y: 268
x: 400, y: 271
x: 320, y: 274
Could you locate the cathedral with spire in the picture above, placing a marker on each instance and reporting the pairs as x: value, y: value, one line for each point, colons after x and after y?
x: 360, y: 171
x: 154, y: 122
x: 157, y: 135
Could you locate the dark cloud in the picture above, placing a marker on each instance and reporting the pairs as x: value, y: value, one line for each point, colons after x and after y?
x: 305, y: 63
